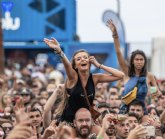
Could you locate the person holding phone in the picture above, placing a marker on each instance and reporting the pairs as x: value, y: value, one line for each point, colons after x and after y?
x: 135, y: 70
x: 79, y: 77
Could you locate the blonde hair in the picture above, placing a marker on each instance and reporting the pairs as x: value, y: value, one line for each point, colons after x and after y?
x: 2, y: 102
x: 63, y: 96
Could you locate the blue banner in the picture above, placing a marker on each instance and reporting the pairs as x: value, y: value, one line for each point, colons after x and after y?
x: 31, y: 20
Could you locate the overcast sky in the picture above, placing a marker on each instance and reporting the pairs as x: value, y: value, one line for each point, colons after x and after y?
x: 143, y: 20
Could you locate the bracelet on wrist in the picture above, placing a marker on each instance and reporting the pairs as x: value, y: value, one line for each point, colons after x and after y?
x: 57, y: 52
x: 61, y: 55
x: 115, y: 35
x: 100, y: 66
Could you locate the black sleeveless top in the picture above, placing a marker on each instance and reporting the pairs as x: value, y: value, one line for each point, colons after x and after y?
x: 77, y: 99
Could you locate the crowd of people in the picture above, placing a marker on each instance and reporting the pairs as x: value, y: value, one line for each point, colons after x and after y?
x: 41, y: 102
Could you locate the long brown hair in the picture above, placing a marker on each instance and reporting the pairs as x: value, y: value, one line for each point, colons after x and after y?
x: 63, y: 95
x: 131, y: 70
x: 63, y: 101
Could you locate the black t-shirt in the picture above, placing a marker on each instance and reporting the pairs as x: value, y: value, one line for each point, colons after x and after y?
x: 77, y: 99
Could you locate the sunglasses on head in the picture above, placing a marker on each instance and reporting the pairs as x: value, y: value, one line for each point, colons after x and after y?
x: 115, y: 121
x: 35, y: 86
x: 24, y: 94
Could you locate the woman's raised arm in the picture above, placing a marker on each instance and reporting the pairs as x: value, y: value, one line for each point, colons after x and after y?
x: 122, y: 62
x: 54, y: 44
x: 113, y: 75
x: 49, y: 104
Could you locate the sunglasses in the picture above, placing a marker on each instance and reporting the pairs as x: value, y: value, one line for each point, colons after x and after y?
x: 160, y: 97
x: 35, y: 86
x: 115, y: 121
x: 24, y: 94
x: 10, y: 128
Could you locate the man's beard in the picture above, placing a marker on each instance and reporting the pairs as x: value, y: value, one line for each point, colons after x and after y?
x: 83, y: 135
x: 111, y: 131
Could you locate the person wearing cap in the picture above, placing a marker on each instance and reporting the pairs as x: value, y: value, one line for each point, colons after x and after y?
x: 26, y: 94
